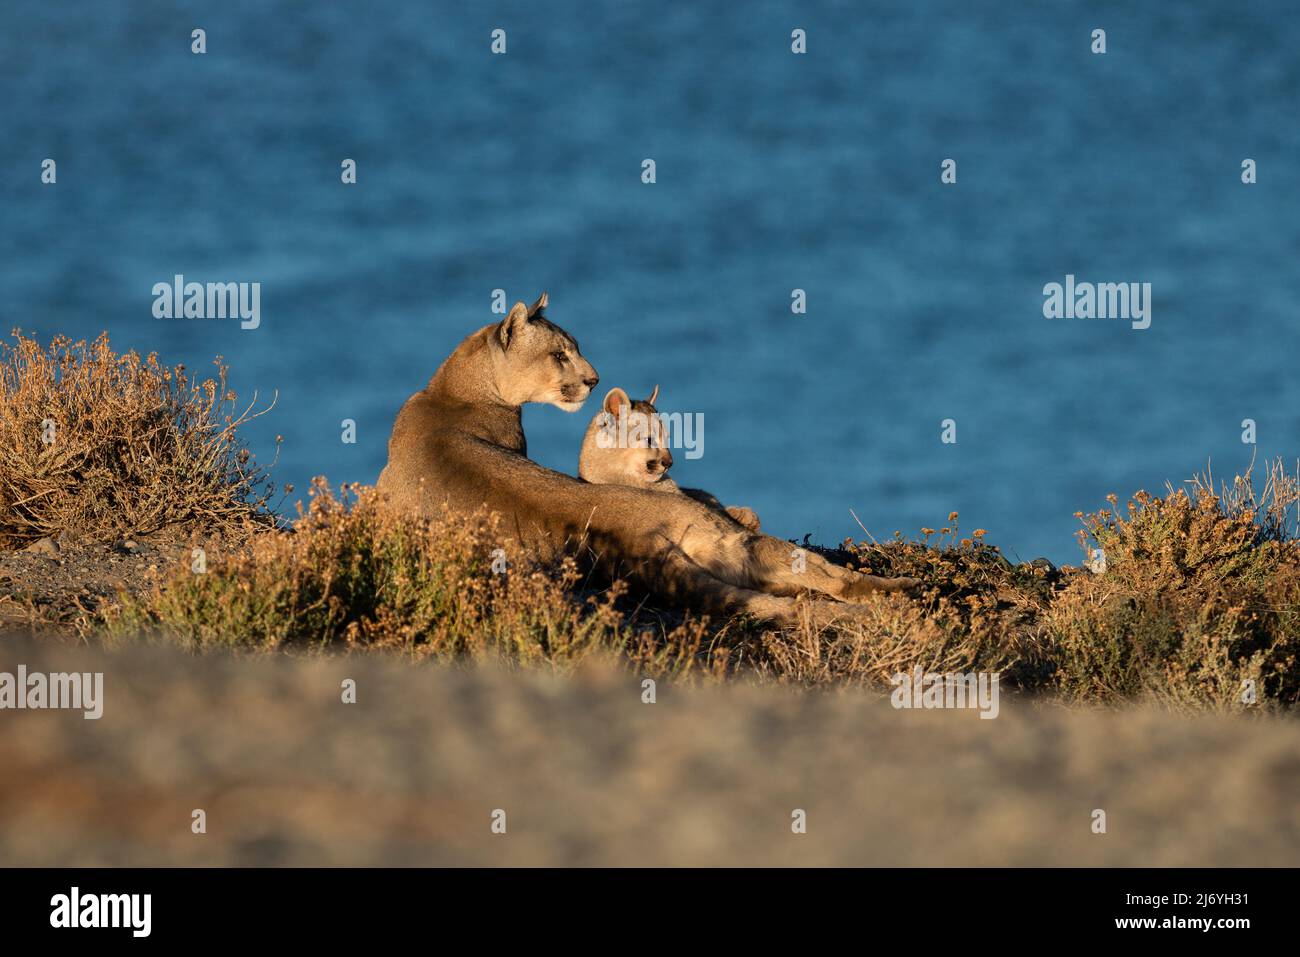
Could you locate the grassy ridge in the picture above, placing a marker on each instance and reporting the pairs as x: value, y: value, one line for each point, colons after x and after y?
x: 352, y: 574
x: 1196, y: 604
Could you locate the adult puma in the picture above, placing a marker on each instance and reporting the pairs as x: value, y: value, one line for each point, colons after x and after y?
x: 460, y: 441
x: 627, y: 444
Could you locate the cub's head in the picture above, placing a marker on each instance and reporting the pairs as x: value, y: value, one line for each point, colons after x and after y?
x: 626, y: 444
x: 540, y: 362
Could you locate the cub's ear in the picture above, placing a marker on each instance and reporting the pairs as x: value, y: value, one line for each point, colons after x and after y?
x: 538, y: 306
x: 512, y: 323
x: 616, y: 399
x: 654, y: 395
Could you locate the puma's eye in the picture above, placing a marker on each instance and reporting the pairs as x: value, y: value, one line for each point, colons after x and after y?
x: 559, y: 356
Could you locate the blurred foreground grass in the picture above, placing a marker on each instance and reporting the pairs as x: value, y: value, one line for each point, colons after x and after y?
x: 588, y: 774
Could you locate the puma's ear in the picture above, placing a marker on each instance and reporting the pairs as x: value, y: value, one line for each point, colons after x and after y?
x: 512, y: 323
x: 654, y: 395
x: 616, y: 399
x: 538, y: 306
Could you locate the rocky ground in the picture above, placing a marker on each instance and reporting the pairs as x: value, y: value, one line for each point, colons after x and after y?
x: 586, y: 773
x: 56, y: 582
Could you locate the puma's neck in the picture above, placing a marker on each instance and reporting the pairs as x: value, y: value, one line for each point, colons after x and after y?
x: 466, y: 388
x: 468, y: 375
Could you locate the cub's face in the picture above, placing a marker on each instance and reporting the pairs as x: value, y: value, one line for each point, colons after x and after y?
x: 540, y: 362
x: 626, y: 444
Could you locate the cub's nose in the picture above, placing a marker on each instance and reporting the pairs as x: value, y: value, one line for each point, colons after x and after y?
x: 591, y: 382
x: 660, y: 463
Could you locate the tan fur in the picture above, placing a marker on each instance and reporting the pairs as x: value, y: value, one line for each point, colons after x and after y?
x: 460, y: 441
x: 644, y: 459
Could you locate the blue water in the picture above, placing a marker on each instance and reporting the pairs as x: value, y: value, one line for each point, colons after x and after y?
x: 774, y: 172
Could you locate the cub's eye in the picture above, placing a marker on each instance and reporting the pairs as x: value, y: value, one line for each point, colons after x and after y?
x: 558, y: 356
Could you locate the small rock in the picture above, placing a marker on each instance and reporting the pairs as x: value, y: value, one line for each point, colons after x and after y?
x: 43, y: 546
x: 129, y: 546
x: 1043, y: 569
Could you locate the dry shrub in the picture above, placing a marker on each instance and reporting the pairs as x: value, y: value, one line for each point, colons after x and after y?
x: 355, y: 574
x: 1200, y: 595
x: 977, y: 612
x: 974, y: 595
x: 98, y: 445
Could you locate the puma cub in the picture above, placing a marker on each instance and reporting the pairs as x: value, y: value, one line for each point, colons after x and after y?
x: 643, y: 460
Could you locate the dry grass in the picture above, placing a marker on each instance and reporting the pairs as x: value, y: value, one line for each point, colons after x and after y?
x: 352, y: 574
x: 1198, y: 605
x: 99, y: 445
x: 1200, y: 598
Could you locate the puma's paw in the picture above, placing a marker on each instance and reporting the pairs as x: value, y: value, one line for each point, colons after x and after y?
x: 903, y: 583
x: 744, y: 516
x: 871, y: 584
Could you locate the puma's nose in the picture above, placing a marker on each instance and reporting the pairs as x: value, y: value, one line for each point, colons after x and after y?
x: 591, y: 382
x: 667, y: 459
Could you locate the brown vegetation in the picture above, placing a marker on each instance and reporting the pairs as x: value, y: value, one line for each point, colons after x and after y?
x: 101, y: 445
x: 1197, y: 606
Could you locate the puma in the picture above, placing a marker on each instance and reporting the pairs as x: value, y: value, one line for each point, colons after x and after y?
x: 627, y: 444
x: 459, y: 442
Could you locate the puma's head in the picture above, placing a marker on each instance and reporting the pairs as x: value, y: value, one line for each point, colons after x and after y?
x: 537, y: 361
x: 626, y: 444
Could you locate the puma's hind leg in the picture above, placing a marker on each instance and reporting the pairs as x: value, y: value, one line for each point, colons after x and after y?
x: 785, y: 569
x: 711, y: 595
